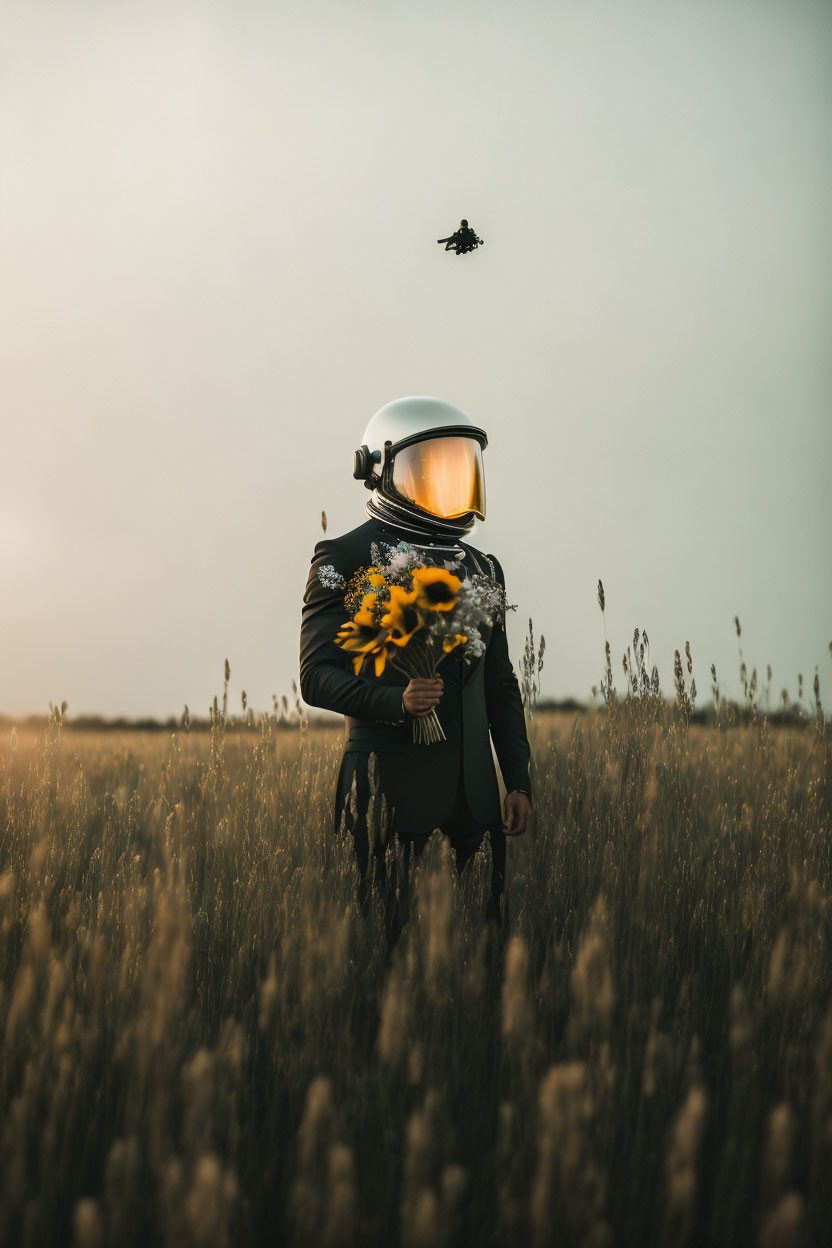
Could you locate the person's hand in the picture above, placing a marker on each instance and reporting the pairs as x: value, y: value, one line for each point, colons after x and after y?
x: 518, y: 814
x: 422, y: 695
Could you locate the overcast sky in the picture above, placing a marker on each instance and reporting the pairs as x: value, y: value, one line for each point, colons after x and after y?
x: 218, y: 259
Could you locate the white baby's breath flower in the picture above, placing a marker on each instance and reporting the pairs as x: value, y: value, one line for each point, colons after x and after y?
x: 329, y: 577
x: 399, y: 561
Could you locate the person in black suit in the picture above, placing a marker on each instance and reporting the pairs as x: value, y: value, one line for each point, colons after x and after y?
x: 422, y: 459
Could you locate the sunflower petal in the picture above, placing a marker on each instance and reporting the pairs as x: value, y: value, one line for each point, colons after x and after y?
x: 451, y: 640
x: 380, y: 660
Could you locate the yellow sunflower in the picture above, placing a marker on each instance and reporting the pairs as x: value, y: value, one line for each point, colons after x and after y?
x: 452, y: 640
x: 403, y: 618
x: 435, y: 588
x: 364, y: 641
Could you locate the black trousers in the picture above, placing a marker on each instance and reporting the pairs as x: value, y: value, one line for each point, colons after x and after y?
x: 463, y: 831
x: 466, y: 835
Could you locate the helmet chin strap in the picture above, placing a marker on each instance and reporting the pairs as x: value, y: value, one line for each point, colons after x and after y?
x: 432, y: 529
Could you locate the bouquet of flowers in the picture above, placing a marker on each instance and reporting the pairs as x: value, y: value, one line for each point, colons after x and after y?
x: 412, y: 614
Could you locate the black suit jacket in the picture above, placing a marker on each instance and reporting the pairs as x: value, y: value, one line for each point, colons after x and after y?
x: 480, y: 697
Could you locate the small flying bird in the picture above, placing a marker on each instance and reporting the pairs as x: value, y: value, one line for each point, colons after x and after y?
x: 462, y: 240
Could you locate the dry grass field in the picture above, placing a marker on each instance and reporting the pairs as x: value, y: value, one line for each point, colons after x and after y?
x: 206, y: 1041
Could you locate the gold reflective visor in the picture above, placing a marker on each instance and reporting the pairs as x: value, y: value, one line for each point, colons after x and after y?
x: 442, y: 475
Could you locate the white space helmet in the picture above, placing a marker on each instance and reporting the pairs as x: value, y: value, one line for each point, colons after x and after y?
x: 422, y: 458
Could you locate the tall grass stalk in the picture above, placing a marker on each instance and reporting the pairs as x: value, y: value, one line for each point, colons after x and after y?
x: 210, y: 1038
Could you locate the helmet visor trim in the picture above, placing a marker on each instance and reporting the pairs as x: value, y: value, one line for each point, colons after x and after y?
x: 442, y: 475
